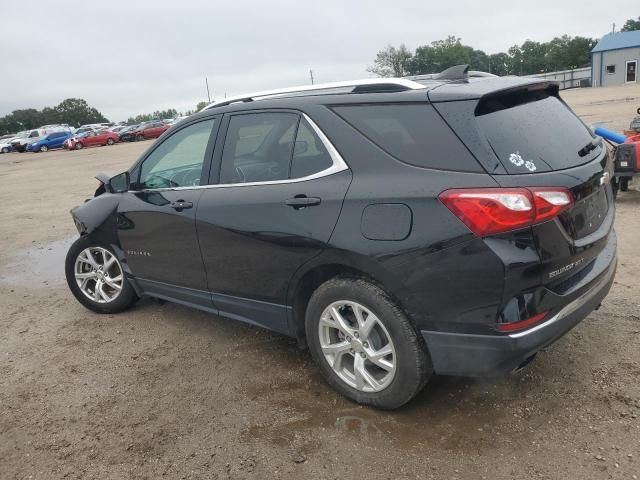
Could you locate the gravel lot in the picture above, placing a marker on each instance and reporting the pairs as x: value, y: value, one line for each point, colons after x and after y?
x: 166, y: 391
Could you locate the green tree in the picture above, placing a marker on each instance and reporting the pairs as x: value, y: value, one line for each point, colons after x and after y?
x: 579, y: 52
x: 391, y: 62
x: 201, y: 105
x: 533, y: 57
x: 499, y: 64
x: 76, y: 111
x: 442, y: 54
x: 515, y: 61
x: 631, y: 25
x: 565, y: 53
x: 480, y: 61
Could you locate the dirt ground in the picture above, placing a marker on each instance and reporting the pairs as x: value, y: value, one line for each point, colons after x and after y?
x: 163, y: 391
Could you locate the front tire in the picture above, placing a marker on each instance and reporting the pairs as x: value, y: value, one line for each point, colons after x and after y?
x: 96, y: 277
x: 364, y: 344
x: 5, y: 150
x: 79, y: 146
x: 110, y: 141
x: 44, y: 148
x: 139, y: 138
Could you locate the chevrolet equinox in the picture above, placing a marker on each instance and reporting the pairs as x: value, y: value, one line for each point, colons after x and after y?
x: 398, y: 227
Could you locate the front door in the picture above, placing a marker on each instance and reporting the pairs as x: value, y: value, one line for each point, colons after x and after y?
x: 632, y: 71
x: 91, y: 139
x: 156, y: 219
x: 274, y: 208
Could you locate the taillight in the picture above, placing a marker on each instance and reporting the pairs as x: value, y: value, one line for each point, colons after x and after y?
x: 488, y: 211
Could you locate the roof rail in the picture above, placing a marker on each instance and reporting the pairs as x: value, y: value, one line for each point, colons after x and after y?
x: 353, y: 86
x: 457, y: 72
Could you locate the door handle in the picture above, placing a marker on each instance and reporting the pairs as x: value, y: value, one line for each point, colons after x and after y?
x: 302, y: 201
x: 180, y: 205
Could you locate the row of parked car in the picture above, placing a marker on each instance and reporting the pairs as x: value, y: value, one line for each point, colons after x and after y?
x: 49, y: 137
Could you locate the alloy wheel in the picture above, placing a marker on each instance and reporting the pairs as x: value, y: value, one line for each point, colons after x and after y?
x: 44, y: 148
x: 357, y: 346
x: 98, y: 274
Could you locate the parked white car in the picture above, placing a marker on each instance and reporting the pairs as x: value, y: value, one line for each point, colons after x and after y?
x: 5, y: 145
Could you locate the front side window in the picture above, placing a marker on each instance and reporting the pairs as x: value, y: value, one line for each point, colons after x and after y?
x: 258, y: 147
x: 178, y: 160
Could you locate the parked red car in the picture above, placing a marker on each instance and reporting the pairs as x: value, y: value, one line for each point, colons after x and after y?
x: 92, y: 139
x: 150, y: 130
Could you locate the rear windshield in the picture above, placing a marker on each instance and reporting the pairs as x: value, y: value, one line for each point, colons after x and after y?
x: 413, y: 133
x: 534, y: 132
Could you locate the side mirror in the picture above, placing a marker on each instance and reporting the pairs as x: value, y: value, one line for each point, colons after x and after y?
x: 300, y: 147
x: 119, y: 183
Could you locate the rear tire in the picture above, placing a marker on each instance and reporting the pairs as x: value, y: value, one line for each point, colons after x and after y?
x: 348, y: 350
x: 96, y: 277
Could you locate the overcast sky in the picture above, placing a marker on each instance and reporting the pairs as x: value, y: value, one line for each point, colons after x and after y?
x: 127, y: 57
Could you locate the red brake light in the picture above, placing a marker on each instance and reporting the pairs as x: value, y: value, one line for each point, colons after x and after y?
x: 522, y: 324
x: 488, y: 211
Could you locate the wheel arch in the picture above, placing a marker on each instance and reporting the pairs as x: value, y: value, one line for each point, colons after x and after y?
x: 308, y: 279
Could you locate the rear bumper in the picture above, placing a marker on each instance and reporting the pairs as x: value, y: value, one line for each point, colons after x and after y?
x: 486, y: 355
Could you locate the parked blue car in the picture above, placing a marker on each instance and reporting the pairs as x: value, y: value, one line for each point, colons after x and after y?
x: 49, y: 141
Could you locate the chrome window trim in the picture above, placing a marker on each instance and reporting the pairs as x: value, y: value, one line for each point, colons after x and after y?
x: 338, y: 165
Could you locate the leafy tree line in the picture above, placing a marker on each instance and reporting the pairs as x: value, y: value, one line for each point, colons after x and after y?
x: 561, y: 53
x: 160, y: 114
x: 74, y: 111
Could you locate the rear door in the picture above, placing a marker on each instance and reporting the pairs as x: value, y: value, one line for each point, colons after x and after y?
x: 279, y: 188
x: 90, y: 139
x: 156, y: 219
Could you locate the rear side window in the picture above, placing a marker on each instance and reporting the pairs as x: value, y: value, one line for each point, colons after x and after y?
x: 258, y: 147
x: 534, y: 132
x: 412, y: 133
x: 269, y: 147
x: 309, y: 154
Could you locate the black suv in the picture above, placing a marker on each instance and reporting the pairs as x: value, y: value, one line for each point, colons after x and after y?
x: 400, y: 228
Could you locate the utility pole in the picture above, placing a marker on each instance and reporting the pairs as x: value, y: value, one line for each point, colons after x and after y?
x: 311, y: 75
x: 206, y: 81
x: 613, y: 29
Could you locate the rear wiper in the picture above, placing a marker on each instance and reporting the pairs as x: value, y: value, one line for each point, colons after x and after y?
x: 592, y: 145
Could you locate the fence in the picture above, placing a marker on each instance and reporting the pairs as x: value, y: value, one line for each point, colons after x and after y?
x: 578, y: 77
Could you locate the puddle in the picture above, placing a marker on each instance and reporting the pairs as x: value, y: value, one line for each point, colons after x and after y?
x: 37, y: 266
x: 455, y: 414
